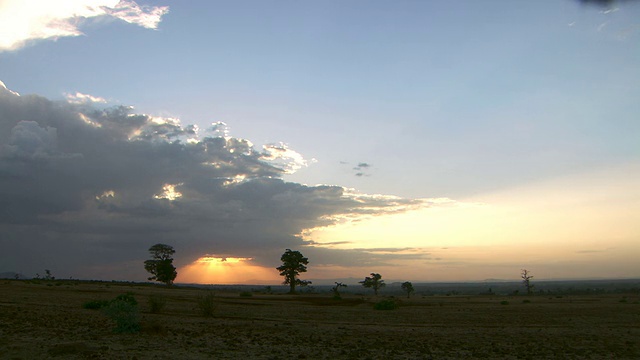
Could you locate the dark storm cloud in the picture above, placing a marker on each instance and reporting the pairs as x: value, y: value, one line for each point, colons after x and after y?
x: 85, y: 192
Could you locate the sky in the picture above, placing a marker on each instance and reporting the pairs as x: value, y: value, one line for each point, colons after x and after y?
x: 422, y: 140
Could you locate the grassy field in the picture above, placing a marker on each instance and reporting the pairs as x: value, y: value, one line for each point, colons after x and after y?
x: 40, y: 320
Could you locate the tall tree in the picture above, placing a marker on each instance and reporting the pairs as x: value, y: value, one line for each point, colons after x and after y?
x: 526, y: 280
x: 375, y: 282
x: 407, y: 286
x: 161, y: 264
x: 293, y: 263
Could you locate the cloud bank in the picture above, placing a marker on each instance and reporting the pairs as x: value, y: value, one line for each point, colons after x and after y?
x: 25, y: 21
x: 85, y: 191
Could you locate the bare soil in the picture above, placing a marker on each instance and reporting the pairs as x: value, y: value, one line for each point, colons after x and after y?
x: 47, y: 320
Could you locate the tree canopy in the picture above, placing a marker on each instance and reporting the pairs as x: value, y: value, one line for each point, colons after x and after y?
x: 375, y: 282
x: 293, y: 263
x: 160, y: 266
x: 407, y: 286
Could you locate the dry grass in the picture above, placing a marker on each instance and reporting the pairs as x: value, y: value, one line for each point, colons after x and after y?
x: 39, y: 322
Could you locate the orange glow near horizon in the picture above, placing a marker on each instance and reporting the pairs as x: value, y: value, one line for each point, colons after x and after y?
x: 226, y: 270
x: 582, y: 226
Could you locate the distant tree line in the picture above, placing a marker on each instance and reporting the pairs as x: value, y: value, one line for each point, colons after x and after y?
x: 161, y: 268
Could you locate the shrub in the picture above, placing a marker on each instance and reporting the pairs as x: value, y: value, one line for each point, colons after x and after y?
x: 504, y: 302
x: 388, y: 304
x: 128, y: 298
x: 125, y: 314
x: 526, y: 301
x: 157, y: 303
x: 95, y: 304
x: 207, y: 304
x: 246, y: 294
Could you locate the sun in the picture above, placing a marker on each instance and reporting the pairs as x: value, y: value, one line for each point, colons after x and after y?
x: 210, y: 269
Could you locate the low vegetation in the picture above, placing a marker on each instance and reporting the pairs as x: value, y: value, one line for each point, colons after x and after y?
x: 387, y: 304
x: 207, y: 304
x: 123, y: 310
x: 125, y: 314
x: 156, y: 303
x: 280, y: 326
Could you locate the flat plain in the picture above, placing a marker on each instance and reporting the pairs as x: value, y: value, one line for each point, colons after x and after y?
x: 47, y: 319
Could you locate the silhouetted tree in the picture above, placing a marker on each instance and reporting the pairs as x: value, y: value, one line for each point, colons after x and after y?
x: 293, y: 263
x: 336, y: 289
x: 526, y: 280
x: 161, y: 264
x: 375, y: 282
x: 47, y: 275
x: 407, y: 286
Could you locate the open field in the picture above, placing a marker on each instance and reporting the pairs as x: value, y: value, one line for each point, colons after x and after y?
x: 47, y: 320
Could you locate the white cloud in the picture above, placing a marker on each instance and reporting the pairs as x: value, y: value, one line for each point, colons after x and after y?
x: 80, y: 98
x: 3, y: 86
x: 145, y: 16
x: 284, y: 157
x: 23, y: 21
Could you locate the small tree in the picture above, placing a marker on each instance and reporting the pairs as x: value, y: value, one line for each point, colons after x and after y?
x: 375, y: 282
x: 526, y: 280
x: 161, y: 264
x: 336, y: 290
x: 47, y: 275
x: 293, y: 263
x: 407, y: 286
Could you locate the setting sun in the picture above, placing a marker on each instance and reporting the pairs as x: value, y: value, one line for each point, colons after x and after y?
x: 225, y: 270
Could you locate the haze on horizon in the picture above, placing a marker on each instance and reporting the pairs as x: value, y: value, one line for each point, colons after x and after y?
x: 425, y: 141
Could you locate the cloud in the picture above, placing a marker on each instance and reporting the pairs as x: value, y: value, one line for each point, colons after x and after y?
x: 145, y: 16
x: 288, y: 159
x: 361, y: 169
x: 25, y: 21
x: 592, y: 251
x: 84, y: 191
x: 80, y: 98
x: 603, y: 3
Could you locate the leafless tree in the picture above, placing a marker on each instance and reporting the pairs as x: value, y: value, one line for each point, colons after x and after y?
x: 526, y: 280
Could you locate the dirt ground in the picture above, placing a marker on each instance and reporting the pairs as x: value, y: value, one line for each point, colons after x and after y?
x: 47, y: 320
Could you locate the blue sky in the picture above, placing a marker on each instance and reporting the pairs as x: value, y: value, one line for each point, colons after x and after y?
x: 461, y: 100
x: 456, y: 94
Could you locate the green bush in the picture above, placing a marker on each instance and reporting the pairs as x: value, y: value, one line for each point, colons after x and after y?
x: 526, y: 301
x: 95, y: 304
x: 504, y: 302
x: 207, y: 304
x: 157, y: 303
x: 125, y: 314
x: 246, y: 294
x: 388, y: 304
x: 128, y: 298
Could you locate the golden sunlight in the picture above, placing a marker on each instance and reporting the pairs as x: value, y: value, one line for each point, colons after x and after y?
x: 557, y: 226
x: 226, y: 270
x: 169, y: 192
